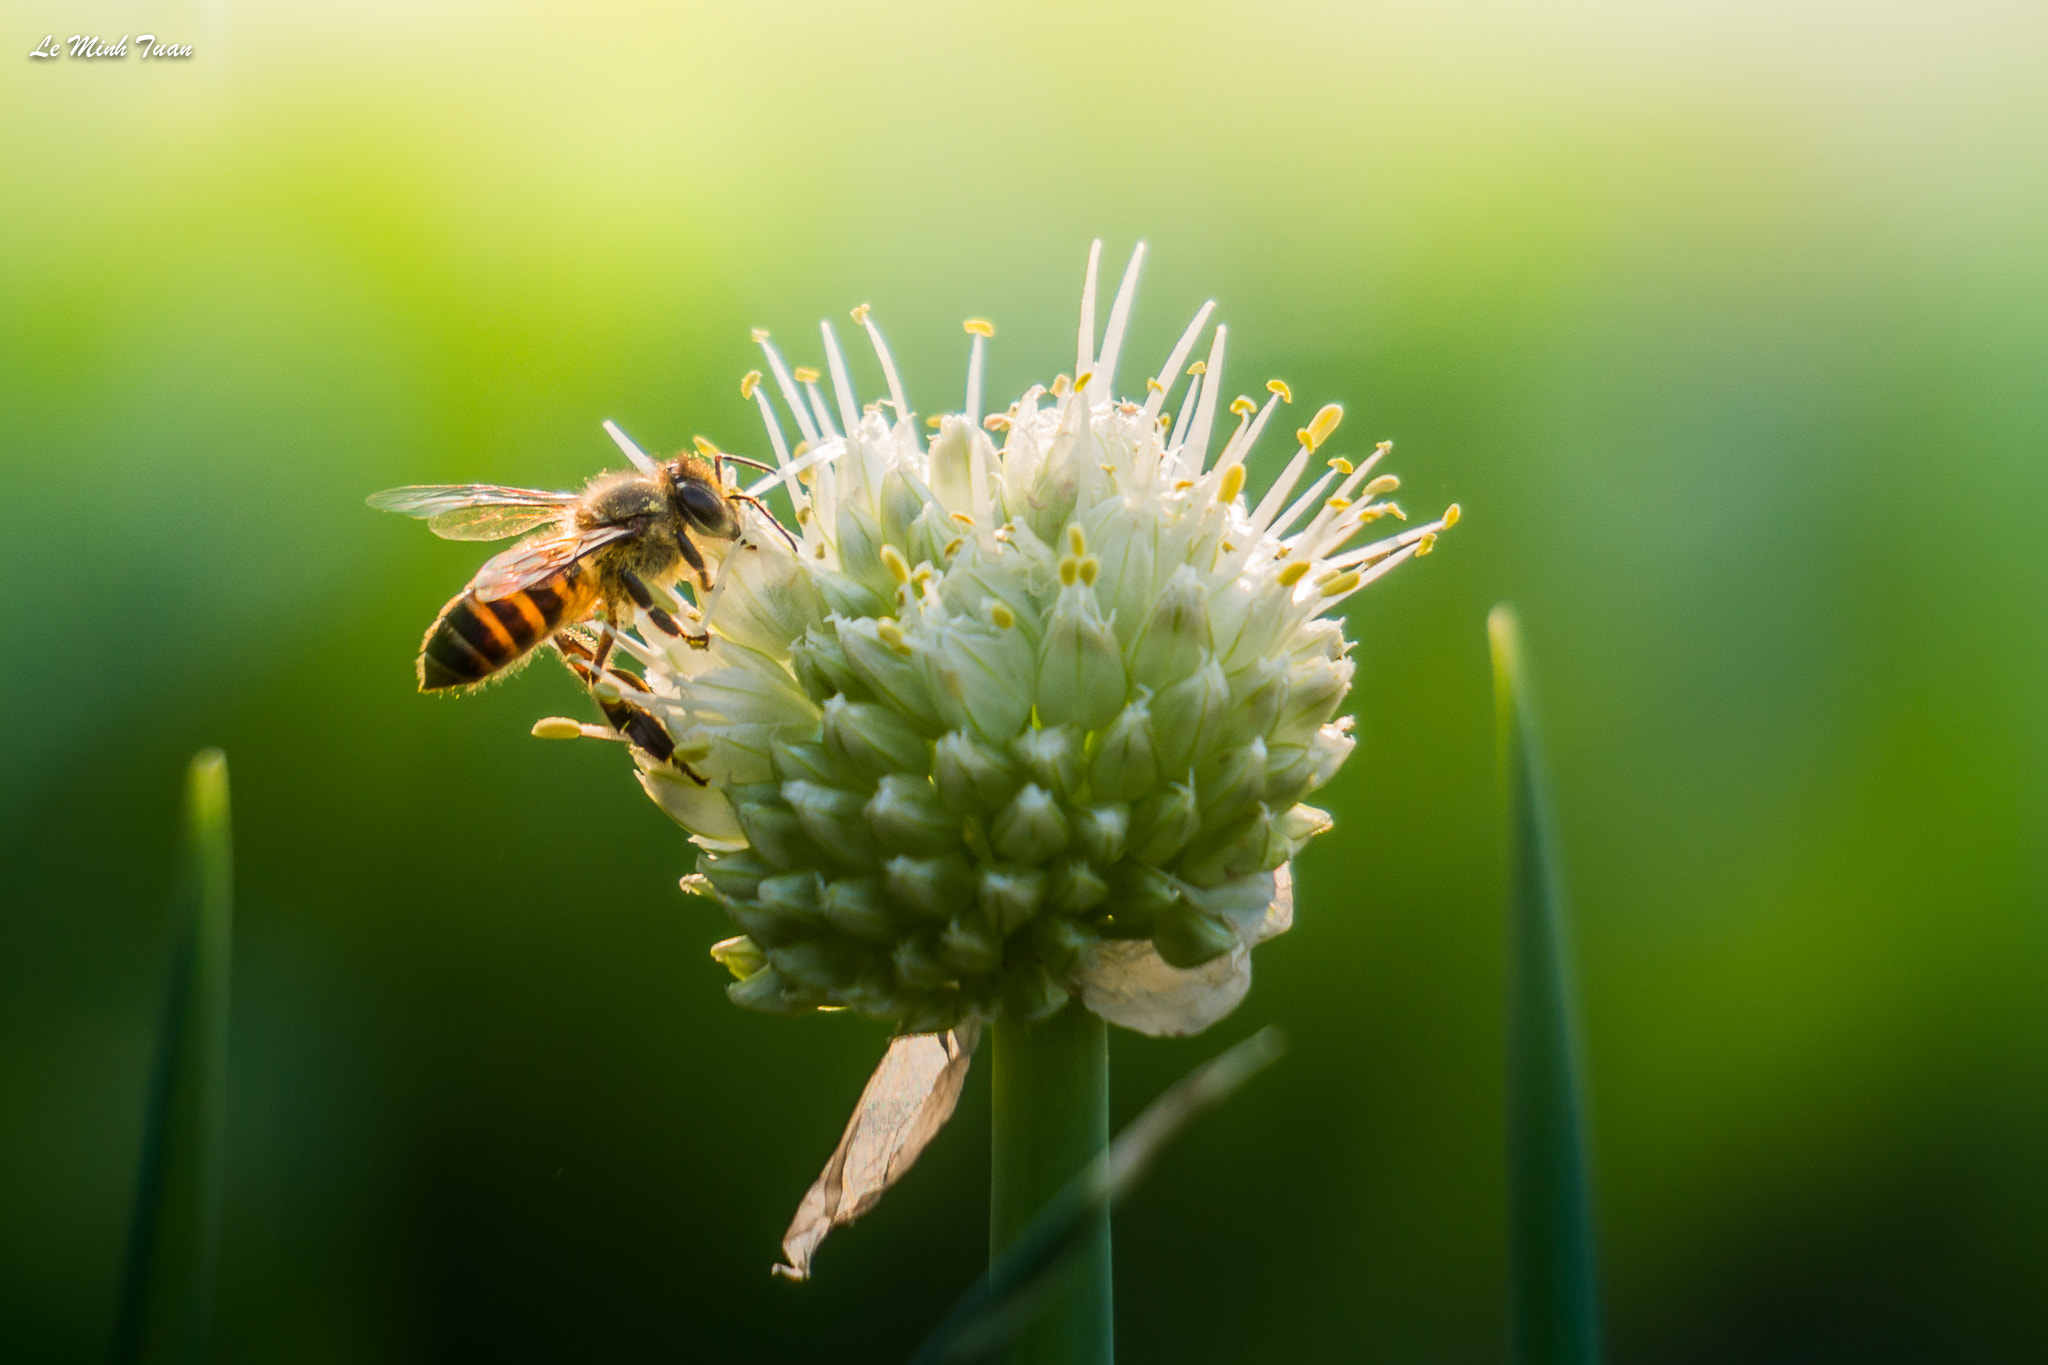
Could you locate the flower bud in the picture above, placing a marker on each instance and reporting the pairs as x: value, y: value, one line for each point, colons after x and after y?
x: 767, y: 992
x: 1232, y: 783
x: 1010, y: 896
x: 1315, y: 688
x: 775, y: 833
x: 1176, y: 635
x: 1164, y: 823
x: 1185, y: 937
x: 1293, y: 771
x: 741, y: 956
x: 847, y: 596
x: 766, y: 600
x: 934, y: 1013
x: 1137, y: 895
x: 933, y: 887
x: 1051, y: 757
x: 901, y: 506
x: 872, y: 739
x: 1032, y: 827
x: 979, y: 676
x: 1102, y: 832
x: 882, y: 659
x: 1057, y: 943
x: 1075, y: 888
x: 1253, y: 843
x: 736, y: 875
x: 860, y: 547
x: 917, y: 962
x: 1260, y: 692
x: 1124, y: 766
x: 1031, y: 993
x: 705, y: 812
x: 1186, y: 716
x: 819, y: 662
x: 858, y: 906
x: 1081, y: 665
x: 771, y: 926
x: 1301, y: 824
x: 826, y: 964
x: 971, y: 943
x: 971, y: 776
x: 808, y: 761
x: 833, y: 819
x: 907, y: 816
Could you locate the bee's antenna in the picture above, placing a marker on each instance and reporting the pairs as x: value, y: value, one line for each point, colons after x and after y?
x: 769, y: 516
x: 751, y: 464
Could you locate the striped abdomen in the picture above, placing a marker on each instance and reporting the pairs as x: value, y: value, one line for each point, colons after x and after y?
x: 475, y: 638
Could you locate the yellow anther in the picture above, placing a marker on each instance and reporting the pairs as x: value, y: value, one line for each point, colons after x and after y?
x: 604, y: 689
x: 981, y: 327
x: 806, y: 375
x: 920, y: 576
x: 1070, y: 569
x: 933, y: 422
x: 890, y: 634
x: 760, y: 335
x: 1324, y: 423
x: 1183, y: 485
x: 1090, y: 567
x: 1060, y: 385
x: 803, y: 515
x: 1279, y: 386
x: 1243, y: 406
x: 963, y: 518
x: 1341, y: 465
x: 1082, y: 382
x: 995, y: 421
x: 797, y: 454
x: 1077, y: 539
x: 557, y: 727
x: 747, y: 382
x: 1293, y: 573
x: 1385, y: 483
x: 952, y: 548
x: 704, y: 447
x: 1301, y: 435
x: 1002, y: 616
x: 1338, y: 504
x: 1199, y: 367
x: 895, y: 563
x: 1426, y: 544
x: 1451, y: 515
x: 1394, y: 511
x: 860, y: 314
x: 1154, y: 386
x: 1341, y: 584
x: 1228, y: 547
x: 1232, y: 485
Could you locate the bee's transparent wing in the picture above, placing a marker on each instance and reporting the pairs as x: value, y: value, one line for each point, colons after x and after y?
x: 474, y: 511
x: 535, y: 561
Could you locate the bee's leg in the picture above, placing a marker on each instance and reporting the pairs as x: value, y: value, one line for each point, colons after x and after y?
x: 634, y: 585
x: 643, y: 597
x: 769, y: 516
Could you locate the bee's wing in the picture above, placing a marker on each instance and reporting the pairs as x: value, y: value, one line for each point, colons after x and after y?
x: 536, y: 560
x: 474, y: 511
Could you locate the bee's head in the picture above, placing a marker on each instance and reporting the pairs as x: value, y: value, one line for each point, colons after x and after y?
x: 702, y: 506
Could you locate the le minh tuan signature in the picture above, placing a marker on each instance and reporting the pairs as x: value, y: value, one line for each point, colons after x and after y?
x: 146, y: 47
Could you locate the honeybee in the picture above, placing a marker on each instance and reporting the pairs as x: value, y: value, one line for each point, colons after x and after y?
x: 599, y: 552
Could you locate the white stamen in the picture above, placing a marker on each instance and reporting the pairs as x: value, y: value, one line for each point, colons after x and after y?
x: 974, y: 370
x: 888, y: 367
x: 1113, y: 335
x: 634, y: 453
x: 1170, y: 374
x: 1262, y: 516
x: 1187, y: 416
x: 1240, y: 447
x: 825, y: 451
x: 1197, y: 453
x: 819, y: 410
x: 842, y: 387
x: 790, y: 396
x: 1085, y: 357
x: 1300, y: 505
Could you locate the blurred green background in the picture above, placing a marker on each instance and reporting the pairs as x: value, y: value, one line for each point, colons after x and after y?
x: 1727, y: 325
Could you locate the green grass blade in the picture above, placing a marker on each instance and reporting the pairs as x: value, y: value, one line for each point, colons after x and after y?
x: 167, y: 1294
x: 1553, y: 1291
x: 989, y: 1317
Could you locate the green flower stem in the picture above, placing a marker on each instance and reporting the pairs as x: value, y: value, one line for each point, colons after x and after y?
x: 1051, y: 1084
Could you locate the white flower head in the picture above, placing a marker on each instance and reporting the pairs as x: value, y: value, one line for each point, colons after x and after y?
x: 1028, y: 709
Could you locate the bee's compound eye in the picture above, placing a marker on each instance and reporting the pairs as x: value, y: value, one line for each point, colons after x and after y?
x: 703, y: 507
